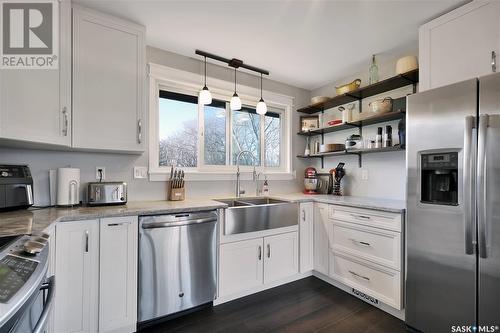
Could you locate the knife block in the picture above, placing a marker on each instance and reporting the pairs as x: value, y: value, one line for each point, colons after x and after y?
x: 176, y: 194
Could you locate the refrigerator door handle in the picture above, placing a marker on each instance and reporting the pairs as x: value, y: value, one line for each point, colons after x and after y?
x: 469, y: 194
x: 481, y: 185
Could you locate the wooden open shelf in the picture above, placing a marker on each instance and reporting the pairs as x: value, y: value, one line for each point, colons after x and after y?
x: 380, y: 87
x: 358, y: 152
x: 394, y: 115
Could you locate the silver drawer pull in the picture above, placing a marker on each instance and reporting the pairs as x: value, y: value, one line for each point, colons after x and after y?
x: 268, y: 250
x: 360, y: 276
x: 359, y: 242
x: 117, y: 224
x: 260, y: 252
x: 86, y: 241
x: 364, y: 217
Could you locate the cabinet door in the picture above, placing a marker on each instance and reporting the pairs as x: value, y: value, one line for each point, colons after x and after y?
x: 306, y: 237
x: 241, y: 266
x: 321, y: 244
x: 77, y: 274
x: 35, y: 104
x: 108, y: 82
x: 457, y: 46
x: 118, y: 274
x: 281, y: 256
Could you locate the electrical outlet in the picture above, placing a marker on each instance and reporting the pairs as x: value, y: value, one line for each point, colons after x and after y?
x: 98, y: 171
x: 140, y: 172
x: 364, y: 174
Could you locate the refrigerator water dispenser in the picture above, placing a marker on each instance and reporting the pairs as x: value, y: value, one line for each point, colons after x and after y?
x: 439, y: 178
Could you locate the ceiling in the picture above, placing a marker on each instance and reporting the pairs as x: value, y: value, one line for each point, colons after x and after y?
x: 303, y: 43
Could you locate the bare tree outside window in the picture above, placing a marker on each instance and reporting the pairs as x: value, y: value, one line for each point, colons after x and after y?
x: 246, y: 136
x: 272, y: 138
x: 178, y: 130
x: 215, y: 133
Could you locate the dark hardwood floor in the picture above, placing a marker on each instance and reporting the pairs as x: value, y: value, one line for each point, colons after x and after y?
x: 307, y: 305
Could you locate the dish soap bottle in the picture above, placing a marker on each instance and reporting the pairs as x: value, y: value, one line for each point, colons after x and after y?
x: 373, y: 71
x: 265, y: 188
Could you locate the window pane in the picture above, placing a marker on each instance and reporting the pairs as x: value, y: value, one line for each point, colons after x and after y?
x: 272, y: 137
x: 246, y: 135
x: 215, y: 133
x: 178, y: 129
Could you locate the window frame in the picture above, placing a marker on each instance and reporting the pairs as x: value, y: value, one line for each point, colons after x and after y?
x: 179, y: 81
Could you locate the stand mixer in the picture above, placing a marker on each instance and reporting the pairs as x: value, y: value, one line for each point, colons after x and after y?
x: 310, y: 181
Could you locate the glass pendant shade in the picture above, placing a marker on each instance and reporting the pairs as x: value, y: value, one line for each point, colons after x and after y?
x: 235, y: 102
x: 261, y: 107
x: 205, y: 96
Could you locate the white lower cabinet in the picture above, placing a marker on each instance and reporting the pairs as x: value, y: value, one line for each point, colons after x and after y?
x: 321, y: 242
x: 118, y: 274
x: 77, y: 276
x: 374, y: 280
x: 281, y: 259
x: 306, y: 237
x: 96, y: 275
x: 249, y: 264
x: 365, y: 251
x: 240, y: 266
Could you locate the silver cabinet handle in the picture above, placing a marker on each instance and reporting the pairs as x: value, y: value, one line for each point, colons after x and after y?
x: 493, y: 61
x: 360, y: 276
x: 364, y: 217
x: 359, y: 242
x: 469, y: 194
x: 268, y: 250
x: 86, y: 241
x: 65, y: 121
x: 481, y: 186
x: 260, y: 252
x: 117, y: 224
x: 303, y: 215
x: 139, y: 131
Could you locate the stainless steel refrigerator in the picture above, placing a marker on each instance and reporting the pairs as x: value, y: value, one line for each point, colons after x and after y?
x: 453, y: 207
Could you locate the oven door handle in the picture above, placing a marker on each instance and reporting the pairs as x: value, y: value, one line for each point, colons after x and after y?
x: 49, y: 286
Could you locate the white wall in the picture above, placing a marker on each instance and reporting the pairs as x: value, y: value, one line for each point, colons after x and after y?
x: 120, y: 167
x: 386, y: 171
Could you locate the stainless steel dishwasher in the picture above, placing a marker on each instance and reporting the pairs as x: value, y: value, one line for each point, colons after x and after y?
x: 177, y: 263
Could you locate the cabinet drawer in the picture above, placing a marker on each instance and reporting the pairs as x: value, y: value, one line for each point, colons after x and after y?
x: 372, y: 244
x: 373, y: 218
x: 383, y: 284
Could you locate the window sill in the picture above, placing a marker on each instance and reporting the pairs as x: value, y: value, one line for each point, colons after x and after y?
x: 217, y: 176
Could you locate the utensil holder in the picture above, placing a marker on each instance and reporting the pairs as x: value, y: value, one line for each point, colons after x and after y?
x: 176, y: 194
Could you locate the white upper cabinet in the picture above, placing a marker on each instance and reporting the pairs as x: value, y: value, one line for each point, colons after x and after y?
x: 458, y: 45
x: 108, y: 82
x: 35, y: 104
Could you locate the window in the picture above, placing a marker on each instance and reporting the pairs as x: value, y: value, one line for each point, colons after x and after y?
x: 205, y: 140
x: 178, y: 129
x: 225, y: 133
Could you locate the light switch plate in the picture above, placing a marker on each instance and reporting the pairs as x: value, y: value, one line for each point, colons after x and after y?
x: 364, y: 174
x: 140, y: 172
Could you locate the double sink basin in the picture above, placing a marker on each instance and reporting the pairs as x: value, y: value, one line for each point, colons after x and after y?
x: 257, y: 214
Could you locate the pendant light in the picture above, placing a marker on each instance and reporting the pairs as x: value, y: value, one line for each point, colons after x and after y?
x: 261, y: 106
x: 235, y: 103
x: 205, y: 96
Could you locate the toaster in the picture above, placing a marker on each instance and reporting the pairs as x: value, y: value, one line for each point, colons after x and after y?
x: 107, y: 193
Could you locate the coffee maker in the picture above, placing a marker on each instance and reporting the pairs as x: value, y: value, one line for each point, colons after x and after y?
x: 310, y: 181
x: 439, y: 178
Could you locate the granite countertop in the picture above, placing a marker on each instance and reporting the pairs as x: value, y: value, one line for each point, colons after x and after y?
x: 36, y: 220
x: 387, y: 205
